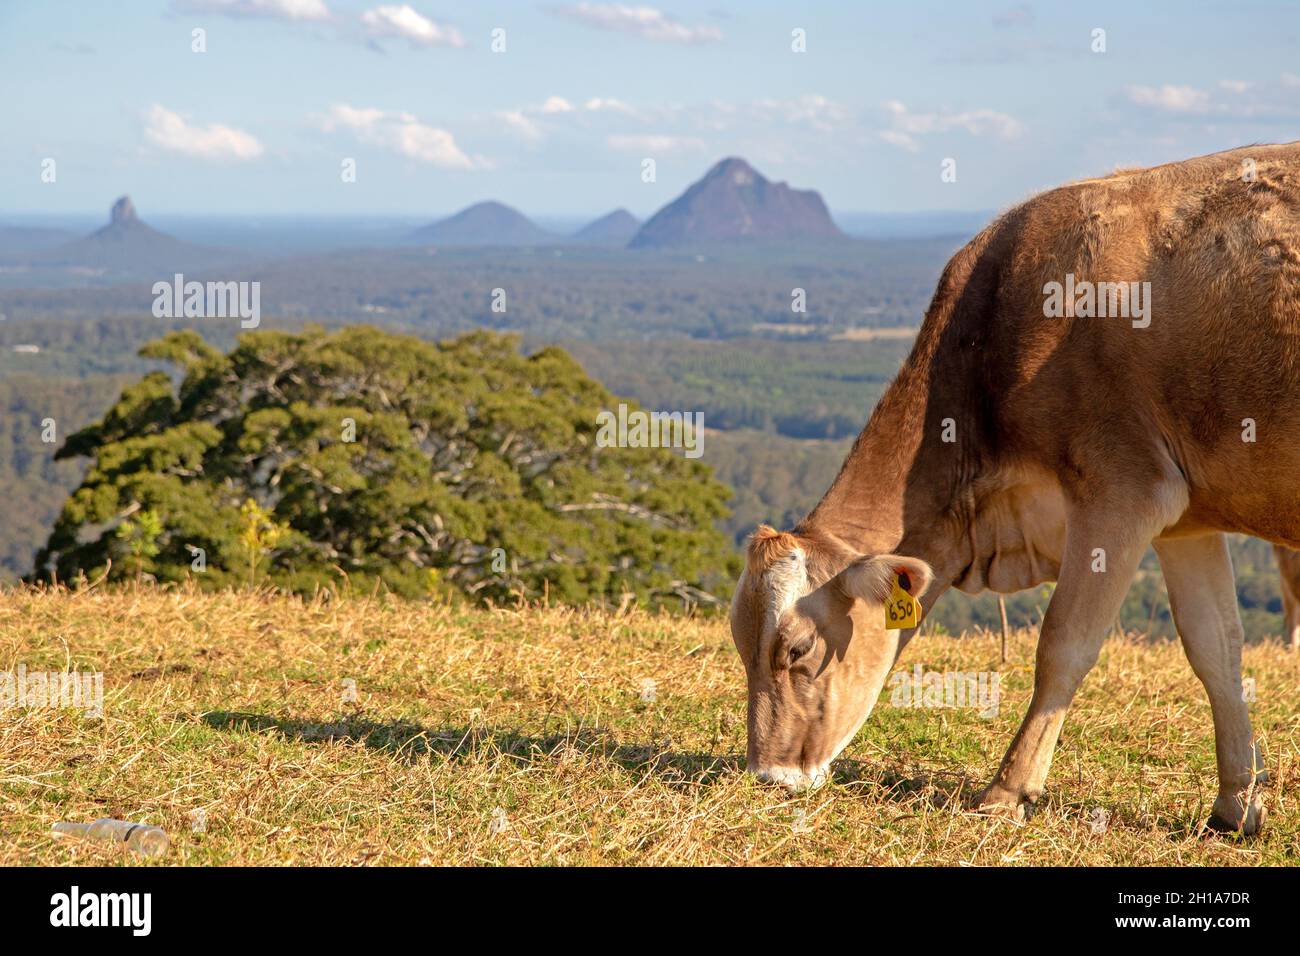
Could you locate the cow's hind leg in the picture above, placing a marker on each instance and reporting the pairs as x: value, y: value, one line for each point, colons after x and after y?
x: 1287, y: 568
x: 1203, y: 598
x: 1104, y: 544
x: 1290, y: 616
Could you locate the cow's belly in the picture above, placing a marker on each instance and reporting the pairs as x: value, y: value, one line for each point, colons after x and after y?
x: 1232, y: 434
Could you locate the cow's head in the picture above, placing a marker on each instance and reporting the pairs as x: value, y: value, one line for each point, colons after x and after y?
x: 808, y: 619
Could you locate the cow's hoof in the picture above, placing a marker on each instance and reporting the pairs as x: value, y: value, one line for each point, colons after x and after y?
x: 1232, y: 815
x: 998, y: 801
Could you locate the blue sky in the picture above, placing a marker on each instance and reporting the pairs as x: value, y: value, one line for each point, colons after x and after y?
x: 561, y: 121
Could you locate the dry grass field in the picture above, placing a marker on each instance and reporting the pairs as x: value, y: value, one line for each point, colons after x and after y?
x: 532, y: 737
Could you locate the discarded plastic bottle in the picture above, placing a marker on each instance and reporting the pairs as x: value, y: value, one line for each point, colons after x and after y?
x: 141, y: 837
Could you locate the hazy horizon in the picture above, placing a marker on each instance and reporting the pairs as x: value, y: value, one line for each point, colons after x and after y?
x: 298, y: 234
x: 93, y: 218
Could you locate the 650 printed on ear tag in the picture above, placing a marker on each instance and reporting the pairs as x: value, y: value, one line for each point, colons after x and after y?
x: 901, y: 611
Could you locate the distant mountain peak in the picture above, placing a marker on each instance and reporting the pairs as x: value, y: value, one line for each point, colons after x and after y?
x: 123, y: 224
x: 734, y: 201
x: 488, y: 223
x: 126, y: 245
x: 735, y: 169
x: 123, y: 212
x: 490, y: 206
x: 614, y: 228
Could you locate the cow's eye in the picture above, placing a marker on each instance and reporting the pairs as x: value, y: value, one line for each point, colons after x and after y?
x: 800, y: 649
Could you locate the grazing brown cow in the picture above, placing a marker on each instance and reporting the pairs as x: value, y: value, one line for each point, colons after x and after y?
x: 1112, y: 364
x: 1288, y: 566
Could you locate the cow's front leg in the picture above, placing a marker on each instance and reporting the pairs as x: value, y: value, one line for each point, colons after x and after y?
x: 1102, y: 552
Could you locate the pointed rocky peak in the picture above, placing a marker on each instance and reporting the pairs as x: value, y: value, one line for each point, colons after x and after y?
x: 735, y: 201
x: 123, y: 212
x: 735, y: 170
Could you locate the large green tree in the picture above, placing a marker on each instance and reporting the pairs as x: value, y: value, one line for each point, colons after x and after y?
x: 309, y: 459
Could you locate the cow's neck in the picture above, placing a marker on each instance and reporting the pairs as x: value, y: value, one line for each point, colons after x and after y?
x: 906, y: 485
x: 929, y: 476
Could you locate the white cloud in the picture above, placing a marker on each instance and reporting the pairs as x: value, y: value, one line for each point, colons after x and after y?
x: 645, y: 22
x: 557, y: 104
x: 1170, y: 98
x: 605, y: 104
x: 902, y: 140
x: 528, y: 121
x: 170, y: 131
x: 518, y: 121
x: 811, y: 110
x: 431, y: 145
x: 667, y: 127
x: 1258, y: 111
x: 350, y: 117
x: 401, y: 132
x: 907, y: 125
x: 654, y: 143
x: 406, y: 23
x: 523, y: 121
x: 270, y: 9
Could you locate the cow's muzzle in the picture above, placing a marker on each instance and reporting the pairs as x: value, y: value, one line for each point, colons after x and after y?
x: 793, y: 778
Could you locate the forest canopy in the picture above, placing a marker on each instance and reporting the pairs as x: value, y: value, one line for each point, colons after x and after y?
x: 308, y: 459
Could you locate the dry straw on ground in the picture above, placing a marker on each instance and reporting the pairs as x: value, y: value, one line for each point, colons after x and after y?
x: 525, y: 737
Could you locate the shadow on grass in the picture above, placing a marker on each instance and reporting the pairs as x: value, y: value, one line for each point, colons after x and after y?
x: 411, y: 741
x: 941, y: 790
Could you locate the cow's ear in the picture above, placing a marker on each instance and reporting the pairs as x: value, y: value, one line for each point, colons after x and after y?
x: 871, y: 578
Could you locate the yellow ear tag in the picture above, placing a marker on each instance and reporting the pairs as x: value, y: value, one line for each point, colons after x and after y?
x: 901, y: 611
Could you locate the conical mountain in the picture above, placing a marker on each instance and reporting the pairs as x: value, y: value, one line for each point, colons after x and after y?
x: 613, y: 229
x: 484, y: 224
x: 127, y: 245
